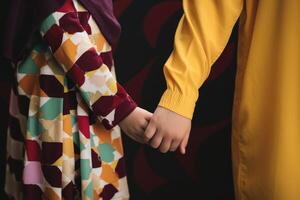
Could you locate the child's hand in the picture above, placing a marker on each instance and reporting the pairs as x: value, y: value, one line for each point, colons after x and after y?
x: 168, y: 130
x: 135, y: 123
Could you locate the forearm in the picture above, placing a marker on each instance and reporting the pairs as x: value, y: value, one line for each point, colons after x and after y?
x: 201, y: 36
x: 82, y: 62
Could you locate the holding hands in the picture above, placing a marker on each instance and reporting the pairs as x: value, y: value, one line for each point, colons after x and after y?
x: 164, y: 129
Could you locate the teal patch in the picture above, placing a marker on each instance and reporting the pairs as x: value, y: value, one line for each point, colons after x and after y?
x: 88, y: 191
x: 76, y: 139
x: 52, y: 108
x: 86, y: 96
x: 106, y: 152
x: 42, y: 47
x: 85, y: 169
x: 47, y: 24
x: 34, y: 126
x: 73, y: 120
x: 28, y: 67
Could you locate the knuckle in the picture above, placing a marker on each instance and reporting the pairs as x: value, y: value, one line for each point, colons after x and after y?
x: 154, y: 145
x: 154, y: 119
x: 147, y: 137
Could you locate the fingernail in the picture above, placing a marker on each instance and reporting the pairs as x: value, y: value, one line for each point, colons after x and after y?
x: 183, y: 151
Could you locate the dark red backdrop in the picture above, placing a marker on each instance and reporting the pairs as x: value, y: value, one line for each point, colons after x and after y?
x: 146, y: 42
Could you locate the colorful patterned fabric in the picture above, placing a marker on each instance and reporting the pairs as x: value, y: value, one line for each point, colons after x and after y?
x: 173, y: 176
x: 62, y: 140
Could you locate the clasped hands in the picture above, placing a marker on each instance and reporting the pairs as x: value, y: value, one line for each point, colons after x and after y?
x: 164, y: 129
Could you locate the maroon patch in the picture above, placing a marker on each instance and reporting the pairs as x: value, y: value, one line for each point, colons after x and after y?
x: 32, y: 192
x: 125, y: 107
x: 23, y: 103
x: 84, y: 20
x: 107, y: 58
x: 84, y: 126
x: 108, y: 192
x: 67, y: 7
x: 120, y: 168
x: 89, y: 60
x: 76, y: 75
x: 33, y: 150
x: 14, y: 129
x: 96, y: 162
x: 54, y: 37
x: 68, y: 191
x: 70, y: 102
x: 52, y: 174
x: 51, y: 86
x: 51, y: 151
x: 16, y: 167
x: 70, y: 23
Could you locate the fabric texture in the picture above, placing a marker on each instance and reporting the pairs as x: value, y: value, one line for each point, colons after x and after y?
x: 23, y: 19
x: 266, y: 112
x: 63, y: 102
x: 143, y: 48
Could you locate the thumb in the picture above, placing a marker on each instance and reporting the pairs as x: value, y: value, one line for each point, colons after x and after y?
x: 183, y: 144
x: 150, y: 130
x: 148, y: 115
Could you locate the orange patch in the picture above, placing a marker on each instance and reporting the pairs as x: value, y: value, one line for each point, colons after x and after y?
x: 50, y: 194
x: 99, y: 41
x: 117, y: 143
x: 67, y: 124
x: 42, y: 93
x: 102, y: 133
x: 96, y: 195
x: 66, y: 54
x: 40, y: 60
x: 109, y: 175
x: 28, y: 83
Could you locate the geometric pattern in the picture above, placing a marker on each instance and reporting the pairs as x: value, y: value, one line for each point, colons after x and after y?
x: 63, y: 142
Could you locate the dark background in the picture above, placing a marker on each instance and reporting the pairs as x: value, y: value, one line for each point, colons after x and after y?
x: 147, y: 37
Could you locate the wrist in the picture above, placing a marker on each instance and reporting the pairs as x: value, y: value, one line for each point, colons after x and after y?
x: 179, y: 103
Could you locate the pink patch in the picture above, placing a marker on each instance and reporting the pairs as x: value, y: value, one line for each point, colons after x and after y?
x: 97, y: 81
x: 32, y: 173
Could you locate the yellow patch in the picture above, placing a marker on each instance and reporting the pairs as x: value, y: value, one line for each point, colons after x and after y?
x: 68, y: 148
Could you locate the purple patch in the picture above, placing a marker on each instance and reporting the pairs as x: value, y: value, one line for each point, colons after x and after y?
x: 108, y: 192
x: 53, y: 175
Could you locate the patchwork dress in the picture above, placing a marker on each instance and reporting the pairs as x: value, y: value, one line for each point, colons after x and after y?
x: 63, y: 142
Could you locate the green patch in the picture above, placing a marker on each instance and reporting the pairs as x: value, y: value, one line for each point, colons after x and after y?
x: 47, y: 23
x: 106, y: 152
x: 34, y: 126
x: 52, y: 108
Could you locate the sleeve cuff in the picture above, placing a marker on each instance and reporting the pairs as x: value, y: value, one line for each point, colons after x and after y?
x: 124, y: 109
x: 121, y: 112
x: 179, y: 103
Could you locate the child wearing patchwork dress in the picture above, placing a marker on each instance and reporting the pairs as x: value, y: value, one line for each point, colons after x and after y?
x: 63, y: 142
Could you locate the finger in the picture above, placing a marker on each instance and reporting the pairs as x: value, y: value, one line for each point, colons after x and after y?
x: 137, y: 135
x: 165, y: 145
x: 183, y: 144
x: 150, y: 130
x: 136, y: 138
x: 156, y: 141
x: 144, y: 124
x: 174, y: 145
x: 148, y: 115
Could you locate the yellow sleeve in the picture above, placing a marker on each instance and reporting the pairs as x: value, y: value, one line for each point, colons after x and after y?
x: 201, y: 36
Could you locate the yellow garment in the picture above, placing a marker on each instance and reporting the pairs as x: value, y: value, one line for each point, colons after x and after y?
x: 266, y: 115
